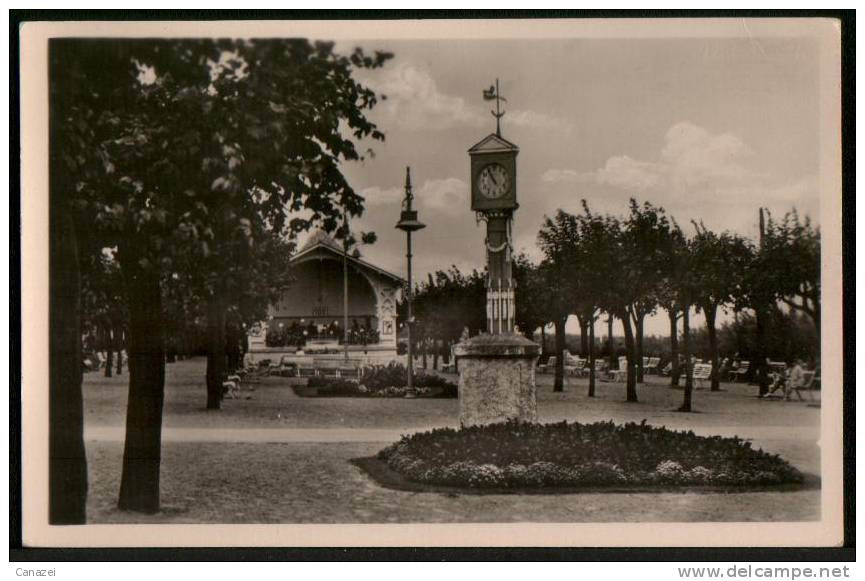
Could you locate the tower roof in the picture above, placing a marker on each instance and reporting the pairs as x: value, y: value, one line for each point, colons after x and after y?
x: 493, y: 143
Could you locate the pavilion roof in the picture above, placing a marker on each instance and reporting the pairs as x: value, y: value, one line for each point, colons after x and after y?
x: 321, y: 241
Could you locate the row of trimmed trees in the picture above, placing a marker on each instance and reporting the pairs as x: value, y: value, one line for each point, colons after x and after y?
x: 180, y: 172
x: 630, y: 267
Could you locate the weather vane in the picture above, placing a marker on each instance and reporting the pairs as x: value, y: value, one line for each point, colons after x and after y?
x: 494, y: 93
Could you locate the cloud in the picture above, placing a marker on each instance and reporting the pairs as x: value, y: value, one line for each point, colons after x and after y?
x: 536, y: 120
x: 447, y: 195
x: 694, y: 157
x: 691, y: 161
x: 629, y: 174
x: 566, y: 176
x: 696, y: 173
x: 377, y: 196
x: 415, y: 101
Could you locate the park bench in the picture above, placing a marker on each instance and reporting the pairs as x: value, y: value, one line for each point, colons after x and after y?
x: 348, y: 372
x: 573, y: 365
x: 812, y: 381
x: 701, y: 372
x: 621, y: 374
x: 329, y: 372
x: 549, y: 367
x: 740, y: 372
x: 650, y: 364
x: 451, y: 365
x: 580, y: 367
x: 306, y: 371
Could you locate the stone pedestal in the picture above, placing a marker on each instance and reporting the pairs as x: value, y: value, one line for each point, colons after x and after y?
x: 497, y: 379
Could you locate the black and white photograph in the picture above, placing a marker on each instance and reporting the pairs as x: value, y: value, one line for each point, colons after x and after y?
x: 566, y: 282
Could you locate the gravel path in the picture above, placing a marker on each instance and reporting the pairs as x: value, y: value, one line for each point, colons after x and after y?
x: 316, y: 483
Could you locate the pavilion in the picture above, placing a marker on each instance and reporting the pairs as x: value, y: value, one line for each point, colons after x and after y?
x: 308, y: 318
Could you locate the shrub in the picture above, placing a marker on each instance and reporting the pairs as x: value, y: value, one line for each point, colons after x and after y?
x: 383, y: 381
x: 578, y: 455
x: 393, y: 374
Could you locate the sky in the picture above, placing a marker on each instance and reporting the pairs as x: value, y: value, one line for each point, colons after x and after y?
x: 711, y: 129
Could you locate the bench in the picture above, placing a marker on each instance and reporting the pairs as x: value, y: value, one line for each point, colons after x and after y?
x: 701, y: 372
x: 650, y: 364
x: 740, y: 372
x: 549, y: 367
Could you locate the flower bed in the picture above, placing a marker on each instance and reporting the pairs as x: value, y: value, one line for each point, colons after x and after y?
x: 383, y: 381
x: 604, y: 454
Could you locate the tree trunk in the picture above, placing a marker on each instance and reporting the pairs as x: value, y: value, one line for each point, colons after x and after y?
x: 109, y: 352
x: 591, y: 358
x: 139, y: 485
x: 630, y: 348
x: 675, y: 371
x: 215, y: 352
x: 543, y: 340
x: 559, y: 382
x: 639, y: 320
x: 610, y: 343
x: 758, y: 367
x: 815, y: 316
x: 689, y: 372
x: 436, y: 350
x: 67, y: 461
x: 423, y: 352
x: 584, y: 336
x: 710, y: 312
x: 119, y: 342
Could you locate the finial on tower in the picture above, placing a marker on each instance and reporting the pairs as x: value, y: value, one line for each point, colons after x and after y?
x: 494, y: 93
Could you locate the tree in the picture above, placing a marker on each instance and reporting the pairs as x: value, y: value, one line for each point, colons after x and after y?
x: 646, y: 232
x: 667, y: 297
x: 559, y: 241
x: 792, y: 250
x: 104, y: 309
x: 681, y: 269
x: 719, y: 260
x: 631, y: 263
x: 170, y: 145
x: 530, y: 315
x: 446, y: 303
x: 577, y: 248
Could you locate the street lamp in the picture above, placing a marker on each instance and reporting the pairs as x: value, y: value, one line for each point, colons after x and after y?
x: 408, y: 223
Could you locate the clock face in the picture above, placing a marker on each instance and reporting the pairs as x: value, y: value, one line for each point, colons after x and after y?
x: 494, y: 181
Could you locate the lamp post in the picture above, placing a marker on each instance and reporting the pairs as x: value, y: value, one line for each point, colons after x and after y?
x: 345, y: 293
x: 409, y: 223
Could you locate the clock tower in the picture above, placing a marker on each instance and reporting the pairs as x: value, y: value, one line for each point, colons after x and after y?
x: 494, y: 200
x: 497, y: 368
